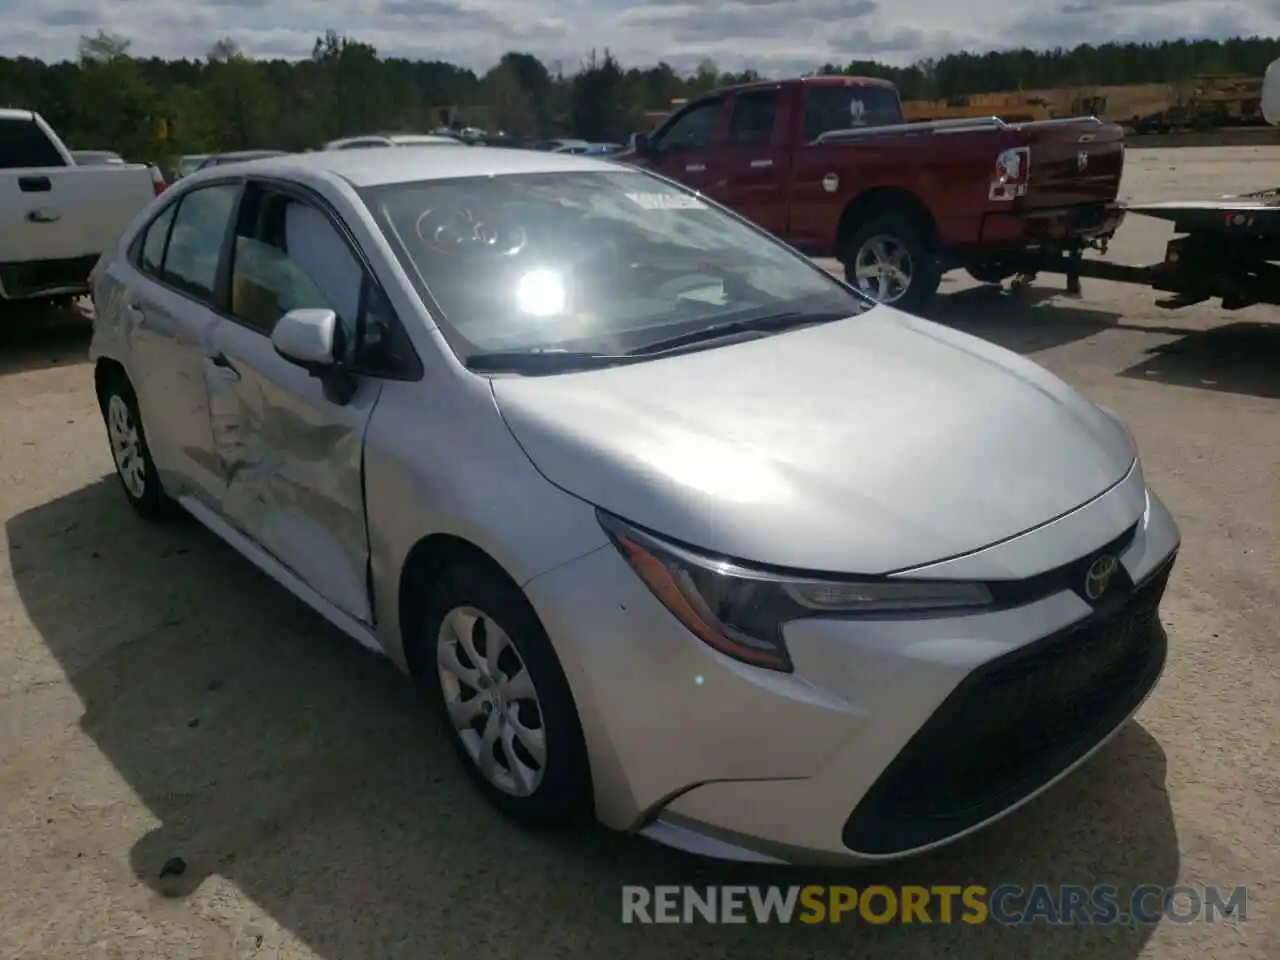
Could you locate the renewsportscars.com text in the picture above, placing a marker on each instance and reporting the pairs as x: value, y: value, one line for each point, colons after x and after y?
x: 1007, y: 904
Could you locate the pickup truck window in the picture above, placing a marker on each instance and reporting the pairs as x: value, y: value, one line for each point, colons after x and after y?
x: 753, y: 114
x: 841, y: 107
x: 195, y: 242
x: 693, y: 129
x: 24, y: 144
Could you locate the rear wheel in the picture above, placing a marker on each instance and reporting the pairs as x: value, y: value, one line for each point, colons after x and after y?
x: 134, y: 467
x: 890, y: 260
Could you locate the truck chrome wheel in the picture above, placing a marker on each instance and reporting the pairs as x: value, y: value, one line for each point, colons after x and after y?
x: 882, y: 268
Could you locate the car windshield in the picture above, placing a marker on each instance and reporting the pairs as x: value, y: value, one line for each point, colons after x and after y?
x: 606, y: 262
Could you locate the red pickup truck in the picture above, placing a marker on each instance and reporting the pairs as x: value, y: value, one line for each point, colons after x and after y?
x: 828, y: 165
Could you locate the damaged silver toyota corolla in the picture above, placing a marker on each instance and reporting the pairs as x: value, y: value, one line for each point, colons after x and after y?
x: 674, y: 528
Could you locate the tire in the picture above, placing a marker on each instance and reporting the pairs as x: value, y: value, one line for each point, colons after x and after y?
x: 989, y: 271
x: 550, y: 790
x: 135, y: 469
x: 894, y: 231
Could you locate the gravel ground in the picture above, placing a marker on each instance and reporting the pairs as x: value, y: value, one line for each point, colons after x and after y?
x: 159, y: 698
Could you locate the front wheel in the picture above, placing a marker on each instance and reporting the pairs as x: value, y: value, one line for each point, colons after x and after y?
x: 134, y: 467
x: 889, y: 260
x: 504, y: 698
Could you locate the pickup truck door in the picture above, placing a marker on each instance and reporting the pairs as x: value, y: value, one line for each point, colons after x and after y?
x: 684, y: 148
x: 56, y: 211
x: 752, y: 168
x: 292, y: 454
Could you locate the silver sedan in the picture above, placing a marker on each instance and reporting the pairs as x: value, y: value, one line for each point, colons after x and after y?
x: 674, y: 529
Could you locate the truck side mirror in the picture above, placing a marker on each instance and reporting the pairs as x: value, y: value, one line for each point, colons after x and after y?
x: 642, y: 146
x: 1271, y: 95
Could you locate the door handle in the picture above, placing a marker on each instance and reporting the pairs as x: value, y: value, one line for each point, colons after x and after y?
x: 761, y: 164
x: 138, y: 313
x: 224, y: 366
x: 695, y: 168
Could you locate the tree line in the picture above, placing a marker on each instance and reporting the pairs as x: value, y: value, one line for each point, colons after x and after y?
x: 153, y: 109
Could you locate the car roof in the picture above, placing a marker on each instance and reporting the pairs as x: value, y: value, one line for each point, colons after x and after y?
x: 369, y: 168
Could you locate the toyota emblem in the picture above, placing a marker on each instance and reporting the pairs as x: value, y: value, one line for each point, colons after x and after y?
x: 1098, y: 577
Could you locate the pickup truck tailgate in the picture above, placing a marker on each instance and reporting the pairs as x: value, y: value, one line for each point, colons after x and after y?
x: 1073, y: 162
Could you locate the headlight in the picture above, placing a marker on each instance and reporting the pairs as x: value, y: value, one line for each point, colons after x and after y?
x: 741, y: 612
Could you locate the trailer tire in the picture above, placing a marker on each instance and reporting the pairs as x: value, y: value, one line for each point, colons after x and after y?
x: 898, y: 232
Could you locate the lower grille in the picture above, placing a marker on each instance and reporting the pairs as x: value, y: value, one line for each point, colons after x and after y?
x: 1014, y: 724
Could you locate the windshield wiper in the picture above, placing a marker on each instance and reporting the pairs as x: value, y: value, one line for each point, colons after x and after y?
x: 770, y: 323
x: 540, y: 361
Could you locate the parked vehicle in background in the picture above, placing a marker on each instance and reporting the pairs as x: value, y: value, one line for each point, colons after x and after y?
x: 672, y: 527
x: 603, y: 149
x: 56, y: 217
x: 827, y: 164
x: 394, y: 140
x: 238, y: 156
x: 188, y: 164
x: 559, y: 145
x: 91, y: 158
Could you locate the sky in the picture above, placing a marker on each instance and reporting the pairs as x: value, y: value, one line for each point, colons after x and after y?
x: 775, y: 37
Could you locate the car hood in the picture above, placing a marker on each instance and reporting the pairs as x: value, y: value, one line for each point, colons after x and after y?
x: 869, y: 445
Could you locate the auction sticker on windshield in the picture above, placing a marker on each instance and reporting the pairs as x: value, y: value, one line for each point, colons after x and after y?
x: 666, y: 201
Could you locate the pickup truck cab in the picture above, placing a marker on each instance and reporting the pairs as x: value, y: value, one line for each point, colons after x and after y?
x: 56, y: 216
x: 828, y: 165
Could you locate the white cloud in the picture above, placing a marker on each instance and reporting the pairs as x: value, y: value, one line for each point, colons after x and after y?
x: 775, y: 36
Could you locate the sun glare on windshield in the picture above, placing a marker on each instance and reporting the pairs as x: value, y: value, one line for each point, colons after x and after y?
x: 540, y: 293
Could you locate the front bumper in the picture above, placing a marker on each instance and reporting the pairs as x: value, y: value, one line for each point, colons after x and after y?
x: 892, y: 737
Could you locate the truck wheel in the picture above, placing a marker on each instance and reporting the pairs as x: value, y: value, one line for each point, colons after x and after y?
x: 889, y: 260
x: 990, y: 271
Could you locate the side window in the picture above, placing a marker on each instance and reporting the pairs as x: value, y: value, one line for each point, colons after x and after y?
x: 289, y: 255
x: 693, y: 129
x: 24, y: 144
x: 154, y: 239
x: 752, y: 121
x: 195, y: 242
x: 841, y: 107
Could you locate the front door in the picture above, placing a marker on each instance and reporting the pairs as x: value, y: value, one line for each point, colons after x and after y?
x: 292, y: 455
x: 684, y: 148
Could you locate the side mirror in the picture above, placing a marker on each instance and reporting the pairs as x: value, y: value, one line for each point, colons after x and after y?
x: 307, y: 338
x: 642, y: 146
x: 1271, y: 95
x: 311, y: 339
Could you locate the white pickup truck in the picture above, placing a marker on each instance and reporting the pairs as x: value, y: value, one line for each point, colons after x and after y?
x: 56, y: 218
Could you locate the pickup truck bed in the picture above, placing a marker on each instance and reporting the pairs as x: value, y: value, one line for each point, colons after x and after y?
x: 57, y: 217
x: 826, y: 164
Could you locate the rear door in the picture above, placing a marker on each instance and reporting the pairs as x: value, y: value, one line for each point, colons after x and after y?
x: 685, y: 146
x: 752, y: 168
x: 162, y: 298
x: 292, y: 457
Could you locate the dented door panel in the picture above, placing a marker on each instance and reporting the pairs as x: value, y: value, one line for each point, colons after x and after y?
x: 292, y: 463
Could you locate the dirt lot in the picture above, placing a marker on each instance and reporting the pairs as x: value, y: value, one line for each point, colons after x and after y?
x: 159, y: 698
